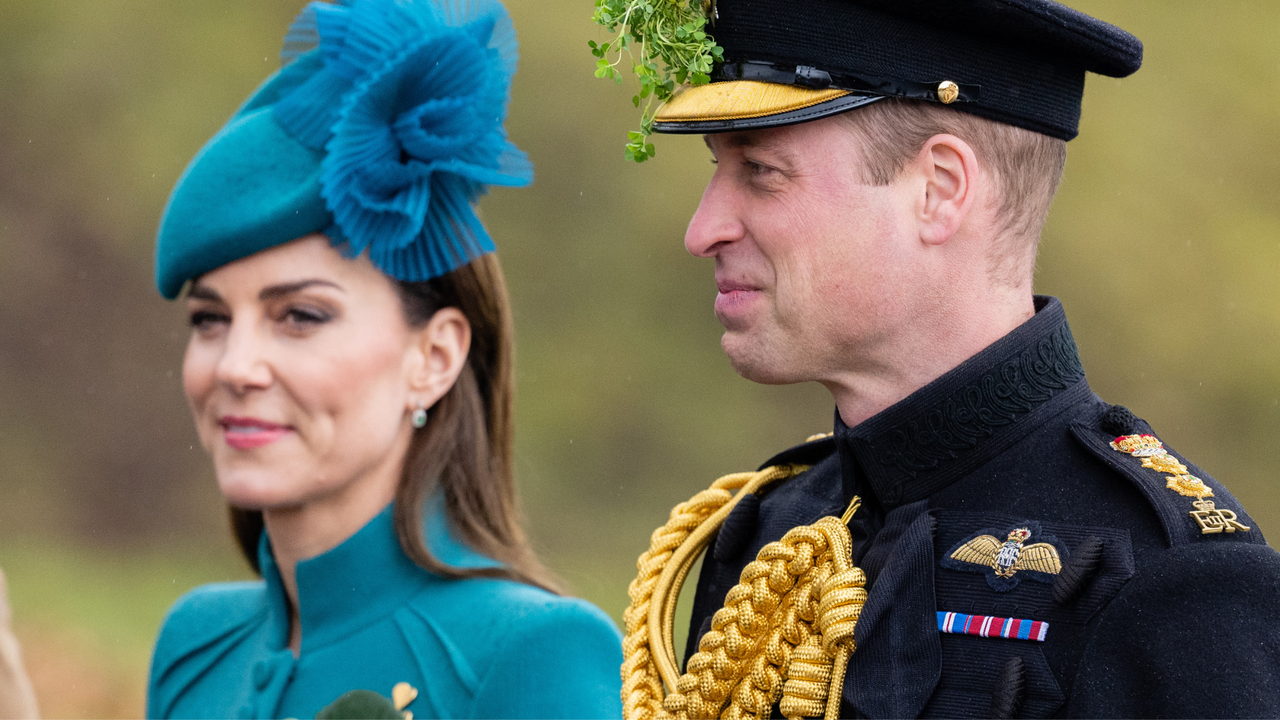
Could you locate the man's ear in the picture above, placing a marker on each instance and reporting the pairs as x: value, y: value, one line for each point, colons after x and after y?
x: 437, y: 354
x: 948, y: 167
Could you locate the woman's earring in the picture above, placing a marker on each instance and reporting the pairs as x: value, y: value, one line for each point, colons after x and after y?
x: 420, y: 417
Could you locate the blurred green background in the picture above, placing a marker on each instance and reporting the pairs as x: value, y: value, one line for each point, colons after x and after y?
x: 1164, y: 245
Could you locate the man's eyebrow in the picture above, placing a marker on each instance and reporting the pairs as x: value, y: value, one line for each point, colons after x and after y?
x: 735, y: 140
x: 276, y: 291
x: 765, y: 142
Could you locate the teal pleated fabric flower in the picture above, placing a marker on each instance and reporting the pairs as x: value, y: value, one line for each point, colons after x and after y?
x: 394, y: 112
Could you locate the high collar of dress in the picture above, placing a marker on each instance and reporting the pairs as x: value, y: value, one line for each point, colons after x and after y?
x: 362, y: 580
x: 947, y: 428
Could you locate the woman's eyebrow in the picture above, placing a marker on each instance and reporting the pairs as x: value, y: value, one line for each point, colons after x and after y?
x: 201, y: 292
x: 276, y: 291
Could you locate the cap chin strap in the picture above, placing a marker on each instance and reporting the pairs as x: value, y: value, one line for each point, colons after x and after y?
x: 865, y: 88
x: 943, y: 90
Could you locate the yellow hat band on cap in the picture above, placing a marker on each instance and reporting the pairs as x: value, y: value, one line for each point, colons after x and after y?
x: 739, y: 100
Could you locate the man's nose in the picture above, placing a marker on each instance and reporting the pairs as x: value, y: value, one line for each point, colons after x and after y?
x: 716, y: 223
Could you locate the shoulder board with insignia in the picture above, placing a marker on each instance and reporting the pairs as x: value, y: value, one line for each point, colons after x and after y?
x: 809, y: 452
x: 1191, y: 505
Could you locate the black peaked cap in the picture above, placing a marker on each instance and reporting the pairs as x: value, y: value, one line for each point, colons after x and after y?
x: 1020, y: 62
x: 1042, y: 27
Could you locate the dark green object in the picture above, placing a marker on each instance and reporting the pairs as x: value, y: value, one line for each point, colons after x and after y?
x: 360, y: 705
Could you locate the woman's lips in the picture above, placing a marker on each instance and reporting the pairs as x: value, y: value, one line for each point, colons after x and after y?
x: 248, y: 433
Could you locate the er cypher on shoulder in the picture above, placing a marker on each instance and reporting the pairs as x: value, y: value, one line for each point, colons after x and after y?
x: 981, y: 535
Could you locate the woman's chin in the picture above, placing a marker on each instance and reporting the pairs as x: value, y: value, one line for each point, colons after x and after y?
x: 256, y: 490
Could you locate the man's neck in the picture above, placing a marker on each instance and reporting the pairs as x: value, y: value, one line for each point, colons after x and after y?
x: 935, y: 344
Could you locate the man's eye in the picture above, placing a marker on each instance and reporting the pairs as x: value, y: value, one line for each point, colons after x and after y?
x: 756, y: 171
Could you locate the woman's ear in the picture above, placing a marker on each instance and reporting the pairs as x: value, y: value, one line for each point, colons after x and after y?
x: 437, y: 354
x: 948, y: 167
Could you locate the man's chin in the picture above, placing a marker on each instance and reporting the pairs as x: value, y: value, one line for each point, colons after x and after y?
x: 750, y: 360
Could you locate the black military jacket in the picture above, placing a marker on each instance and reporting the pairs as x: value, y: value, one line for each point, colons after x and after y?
x: 1148, y: 617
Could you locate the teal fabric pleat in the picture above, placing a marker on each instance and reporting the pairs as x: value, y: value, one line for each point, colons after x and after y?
x: 409, y: 109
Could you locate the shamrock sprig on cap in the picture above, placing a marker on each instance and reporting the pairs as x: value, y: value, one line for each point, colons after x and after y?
x: 667, y: 44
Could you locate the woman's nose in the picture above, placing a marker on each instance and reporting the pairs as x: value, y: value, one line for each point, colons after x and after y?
x: 243, y: 365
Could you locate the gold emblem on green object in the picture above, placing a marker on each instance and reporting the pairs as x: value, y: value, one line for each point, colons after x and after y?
x: 403, y: 694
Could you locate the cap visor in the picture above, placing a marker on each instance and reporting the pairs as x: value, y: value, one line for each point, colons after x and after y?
x: 746, y: 104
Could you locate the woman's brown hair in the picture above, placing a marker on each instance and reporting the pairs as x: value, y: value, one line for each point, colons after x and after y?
x: 465, y: 449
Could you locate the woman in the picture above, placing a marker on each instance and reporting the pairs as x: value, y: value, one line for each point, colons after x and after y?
x: 349, y: 371
x: 17, y: 698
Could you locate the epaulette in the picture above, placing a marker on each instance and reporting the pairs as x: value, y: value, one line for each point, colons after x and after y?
x: 810, y: 452
x: 1191, y: 505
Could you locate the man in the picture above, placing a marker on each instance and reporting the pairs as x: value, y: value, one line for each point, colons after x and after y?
x: 1026, y: 550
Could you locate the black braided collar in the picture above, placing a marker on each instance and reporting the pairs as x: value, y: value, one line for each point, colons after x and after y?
x: 945, y: 429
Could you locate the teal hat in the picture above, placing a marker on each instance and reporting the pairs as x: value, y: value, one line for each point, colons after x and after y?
x: 382, y: 130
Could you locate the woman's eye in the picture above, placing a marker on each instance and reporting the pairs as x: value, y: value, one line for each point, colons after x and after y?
x: 302, y: 317
x: 204, y: 319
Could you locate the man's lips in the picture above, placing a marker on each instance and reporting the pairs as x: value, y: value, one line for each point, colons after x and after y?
x: 729, y: 286
x: 733, y: 297
x: 246, y: 433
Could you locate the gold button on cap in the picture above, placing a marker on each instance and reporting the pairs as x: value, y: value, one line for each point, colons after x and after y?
x: 948, y: 92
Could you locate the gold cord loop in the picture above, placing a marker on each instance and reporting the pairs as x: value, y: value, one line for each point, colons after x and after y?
x: 785, y: 632
x: 647, y: 653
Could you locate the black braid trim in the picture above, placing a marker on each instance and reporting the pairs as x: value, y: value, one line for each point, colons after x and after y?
x: 998, y: 398
x: 1078, y: 570
x: 1011, y: 686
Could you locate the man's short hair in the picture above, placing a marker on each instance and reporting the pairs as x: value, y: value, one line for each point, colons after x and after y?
x: 1026, y: 165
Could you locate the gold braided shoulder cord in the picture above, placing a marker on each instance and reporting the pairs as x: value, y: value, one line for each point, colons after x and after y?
x: 785, y: 632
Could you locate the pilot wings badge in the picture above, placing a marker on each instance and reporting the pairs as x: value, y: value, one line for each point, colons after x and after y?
x: 1025, y: 552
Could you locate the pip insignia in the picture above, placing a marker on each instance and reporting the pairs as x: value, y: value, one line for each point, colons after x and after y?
x: 1150, y: 450
x: 1006, y: 562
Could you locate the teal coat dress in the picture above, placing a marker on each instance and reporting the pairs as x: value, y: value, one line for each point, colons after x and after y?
x: 371, y: 618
